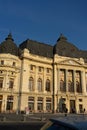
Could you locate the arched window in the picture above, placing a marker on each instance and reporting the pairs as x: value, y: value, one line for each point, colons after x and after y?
x: 31, y: 84
x: 78, y: 87
x: 62, y: 85
x: 70, y: 86
x: 47, y: 85
x: 39, y: 85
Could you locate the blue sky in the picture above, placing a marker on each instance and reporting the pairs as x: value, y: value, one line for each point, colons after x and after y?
x: 44, y: 20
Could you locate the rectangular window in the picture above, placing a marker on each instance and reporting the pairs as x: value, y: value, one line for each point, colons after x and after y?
x: 31, y: 67
x: 9, y: 103
x: 48, y: 70
x: 11, y: 83
x: 14, y: 63
x: 31, y: 103
x: 48, y: 104
x: 40, y: 69
x: 1, y: 82
x: 40, y: 104
x: 2, y: 62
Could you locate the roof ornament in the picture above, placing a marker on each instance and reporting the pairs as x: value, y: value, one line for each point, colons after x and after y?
x: 9, y: 37
x: 62, y: 37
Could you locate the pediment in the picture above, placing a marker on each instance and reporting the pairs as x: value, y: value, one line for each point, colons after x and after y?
x: 71, y: 62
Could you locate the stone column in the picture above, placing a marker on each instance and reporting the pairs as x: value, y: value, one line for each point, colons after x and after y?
x: 35, y: 104
x: 83, y: 82
x: 58, y: 88
x: 66, y: 79
x: 36, y: 78
x: 44, y: 80
x: 74, y: 80
x: 44, y: 104
x: 55, y: 88
x: 58, y: 79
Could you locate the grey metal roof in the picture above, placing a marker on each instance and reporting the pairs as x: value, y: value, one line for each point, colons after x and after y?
x: 8, y: 46
x: 38, y: 48
x: 62, y: 48
x: 65, y: 48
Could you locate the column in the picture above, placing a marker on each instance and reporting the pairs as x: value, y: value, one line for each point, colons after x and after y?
x: 58, y: 78
x: 44, y: 104
x: 83, y: 82
x: 35, y: 104
x: 58, y: 88
x: 36, y: 78
x: 54, y: 88
x: 66, y: 79
x: 44, y: 80
x: 74, y: 80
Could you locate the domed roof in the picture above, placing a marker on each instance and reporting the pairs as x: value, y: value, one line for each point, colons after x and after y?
x: 8, y: 46
x: 64, y: 48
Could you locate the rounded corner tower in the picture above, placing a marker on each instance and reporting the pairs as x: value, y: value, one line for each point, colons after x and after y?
x: 8, y: 46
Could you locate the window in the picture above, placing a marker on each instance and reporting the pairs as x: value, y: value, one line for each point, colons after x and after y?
x: 48, y: 104
x: 2, y: 62
x: 31, y: 103
x: 78, y: 87
x: 39, y: 85
x: 40, y: 103
x: 9, y: 103
x: 31, y: 67
x: 31, y: 84
x: 70, y: 86
x: 48, y: 70
x: 14, y: 63
x: 62, y: 86
x: 11, y: 83
x: 47, y: 85
x: 80, y: 100
x: 1, y: 82
x: 39, y: 69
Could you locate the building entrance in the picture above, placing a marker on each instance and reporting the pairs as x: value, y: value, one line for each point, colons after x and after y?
x: 72, y: 106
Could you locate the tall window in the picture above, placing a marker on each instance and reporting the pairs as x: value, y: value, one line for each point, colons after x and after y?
x: 14, y: 63
x: 47, y: 85
x: 31, y: 84
x: 31, y: 103
x: 2, y: 62
x: 9, y: 103
x: 78, y: 82
x: 62, y: 80
x: 1, y: 82
x: 78, y: 88
x: 39, y: 85
x: 62, y: 86
x: 31, y: 67
x: 40, y: 103
x: 11, y: 83
x: 48, y: 103
x: 70, y: 86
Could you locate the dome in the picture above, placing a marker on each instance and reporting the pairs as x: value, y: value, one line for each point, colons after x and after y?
x: 64, y: 48
x: 8, y: 46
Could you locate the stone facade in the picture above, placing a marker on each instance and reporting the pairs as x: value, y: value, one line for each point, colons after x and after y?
x: 42, y: 78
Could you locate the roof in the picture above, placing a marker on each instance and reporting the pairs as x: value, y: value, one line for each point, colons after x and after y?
x: 8, y: 46
x: 37, y: 48
x: 65, y: 48
x: 80, y: 123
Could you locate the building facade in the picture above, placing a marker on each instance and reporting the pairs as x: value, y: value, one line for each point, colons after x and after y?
x: 41, y: 77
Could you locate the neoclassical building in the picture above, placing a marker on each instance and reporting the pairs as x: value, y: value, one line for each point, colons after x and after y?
x: 42, y: 77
